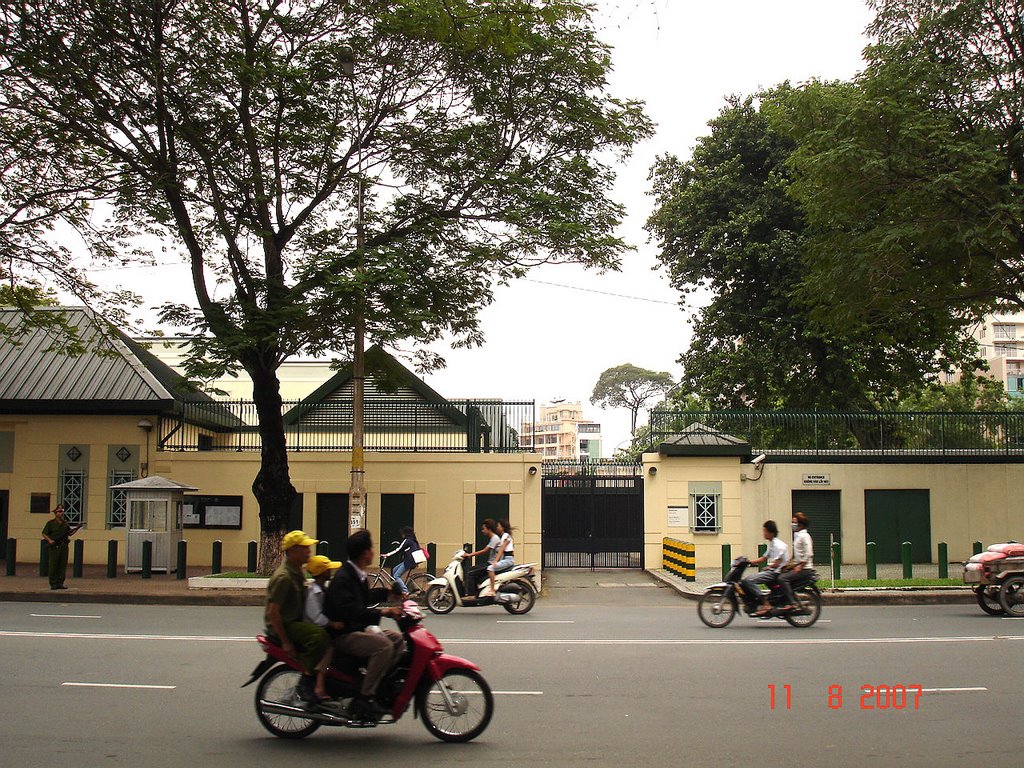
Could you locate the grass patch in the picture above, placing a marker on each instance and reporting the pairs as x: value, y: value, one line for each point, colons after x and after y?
x: 237, y: 575
x: 882, y: 583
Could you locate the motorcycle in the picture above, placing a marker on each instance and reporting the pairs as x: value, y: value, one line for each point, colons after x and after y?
x: 449, y: 693
x: 515, y: 590
x: 720, y: 602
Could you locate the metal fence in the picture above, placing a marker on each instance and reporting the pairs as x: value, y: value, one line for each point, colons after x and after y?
x: 885, y: 433
x: 474, y: 426
x: 603, y: 468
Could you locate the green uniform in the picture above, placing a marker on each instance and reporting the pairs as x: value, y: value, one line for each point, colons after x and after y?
x: 287, y: 589
x: 57, y: 554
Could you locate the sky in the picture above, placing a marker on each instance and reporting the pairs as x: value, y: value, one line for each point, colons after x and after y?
x: 550, y: 335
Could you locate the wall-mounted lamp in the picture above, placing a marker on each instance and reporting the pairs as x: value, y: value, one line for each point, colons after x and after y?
x: 757, y: 461
x: 533, y: 470
x: 652, y: 471
x: 146, y: 426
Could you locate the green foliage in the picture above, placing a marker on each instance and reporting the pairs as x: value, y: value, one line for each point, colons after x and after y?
x: 726, y: 223
x: 970, y: 393
x: 628, y: 386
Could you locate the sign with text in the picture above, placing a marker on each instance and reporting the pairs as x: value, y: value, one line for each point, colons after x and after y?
x: 823, y: 479
x: 678, y: 517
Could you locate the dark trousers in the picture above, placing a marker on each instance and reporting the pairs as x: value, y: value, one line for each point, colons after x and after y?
x: 382, y: 650
x: 57, y: 565
x: 750, y: 585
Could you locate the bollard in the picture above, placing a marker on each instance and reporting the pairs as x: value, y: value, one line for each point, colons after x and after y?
x: 112, y: 558
x: 215, y: 560
x: 726, y: 559
x: 147, y: 559
x: 76, y: 567
x: 322, y: 548
x: 250, y: 565
x: 181, y: 568
x: 12, y: 556
x: 871, y: 559
x: 907, y: 550
x: 432, y: 559
x: 943, y: 560
x: 837, y: 559
x: 978, y: 546
x: 44, y: 558
x: 761, y: 549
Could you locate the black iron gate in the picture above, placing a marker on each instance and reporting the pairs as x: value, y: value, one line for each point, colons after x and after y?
x: 594, y: 520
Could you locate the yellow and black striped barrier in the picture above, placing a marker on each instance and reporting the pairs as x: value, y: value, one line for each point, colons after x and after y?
x: 679, y: 558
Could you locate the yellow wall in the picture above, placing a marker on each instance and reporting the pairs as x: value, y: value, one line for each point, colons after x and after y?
x: 444, y: 484
x: 969, y: 502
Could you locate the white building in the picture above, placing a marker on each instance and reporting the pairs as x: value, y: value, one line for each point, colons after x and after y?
x: 1000, y: 340
x: 561, y: 433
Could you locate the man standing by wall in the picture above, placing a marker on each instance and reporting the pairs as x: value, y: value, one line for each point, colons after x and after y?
x: 57, y: 532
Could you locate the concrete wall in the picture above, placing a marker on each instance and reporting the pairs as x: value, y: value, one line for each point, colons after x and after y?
x: 445, y: 486
x: 969, y: 502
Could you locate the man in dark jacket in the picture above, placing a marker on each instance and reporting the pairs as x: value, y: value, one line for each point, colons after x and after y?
x: 348, y: 600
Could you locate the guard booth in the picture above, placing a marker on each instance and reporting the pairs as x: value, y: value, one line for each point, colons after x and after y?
x: 154, y: 514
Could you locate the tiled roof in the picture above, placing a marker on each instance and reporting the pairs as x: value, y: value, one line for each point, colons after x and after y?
x: 700, y: 440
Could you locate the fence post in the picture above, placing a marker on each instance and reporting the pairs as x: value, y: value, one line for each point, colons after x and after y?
x: 978, y: 547
x: 871, y: 559
x: 726, y: 559
x: 215, y: 559
x: 44, y: 558
x: 76, y: 566
x: 12, y: 556
x: 837, y: 559
x: 432, y: 558
x: 147, y: 559
x: 181, y: 567
x: 908, y: 564
x: 761, y: 549
x: 112, y: 558
x: 250, y: 565
x: 943, y: 560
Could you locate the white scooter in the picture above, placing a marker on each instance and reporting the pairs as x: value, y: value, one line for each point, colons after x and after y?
x: 516, y: 593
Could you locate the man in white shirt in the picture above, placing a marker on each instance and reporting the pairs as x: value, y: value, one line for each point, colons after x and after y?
x: 776, y: 557
x: 803, y: 556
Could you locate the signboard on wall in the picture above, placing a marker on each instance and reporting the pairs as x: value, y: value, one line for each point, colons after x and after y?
x: 678, y: 517
x: 212, y: 512
x: 821, y: 479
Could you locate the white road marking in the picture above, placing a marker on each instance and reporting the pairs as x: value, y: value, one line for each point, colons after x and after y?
x: 516, y: 693
x: 951, y: 690
x: 63, y: 616
x: 121, y: 685
x: 533, y: 621
x: 103, y: 636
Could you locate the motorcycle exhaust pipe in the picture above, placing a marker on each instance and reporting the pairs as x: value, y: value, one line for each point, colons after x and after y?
x: 277, y: 708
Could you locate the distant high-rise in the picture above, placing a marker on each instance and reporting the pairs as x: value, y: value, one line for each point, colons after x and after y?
x: 561, y: 432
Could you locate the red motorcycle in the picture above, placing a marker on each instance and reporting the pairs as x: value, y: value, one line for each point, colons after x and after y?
x: 449, y: 693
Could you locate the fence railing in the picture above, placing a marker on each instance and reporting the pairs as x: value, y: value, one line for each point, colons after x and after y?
x: 883, y: 433
x: 474, y: 426
x: 603, y: 468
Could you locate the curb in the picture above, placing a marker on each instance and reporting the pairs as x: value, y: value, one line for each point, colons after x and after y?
x: 196, y: 597
x: 895, y: 596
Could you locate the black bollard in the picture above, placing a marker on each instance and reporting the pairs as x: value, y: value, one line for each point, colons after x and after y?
x: 112, y: 558
x: 12, y: 555
x: 432, y: 559
x: 44, y: 558
x: 76, y: 566
x: 182, y: 565
x: 250, y: 565
x: 147, y: 559
x: 218, y: 548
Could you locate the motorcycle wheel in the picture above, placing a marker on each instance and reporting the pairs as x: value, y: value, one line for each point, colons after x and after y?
x: 522, y: 597
x: 716, y: 608
x: 810, y: 601
x: 470, y: 709
x: 278, y: 686
x: 418, y: 585
x: 1011, y: 596
x: 988, y: 601
x: 440, y: 599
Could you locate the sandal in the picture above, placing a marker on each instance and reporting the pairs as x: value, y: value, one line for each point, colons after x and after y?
x: 763, y: 611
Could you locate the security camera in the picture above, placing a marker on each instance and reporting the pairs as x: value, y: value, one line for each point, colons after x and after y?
x: 758, y: 460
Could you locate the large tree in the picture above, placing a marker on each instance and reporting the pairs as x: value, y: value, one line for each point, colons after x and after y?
x: 913, y: 183
x: 632, y: 387
x: 477, y: 136
x: 727, y: 224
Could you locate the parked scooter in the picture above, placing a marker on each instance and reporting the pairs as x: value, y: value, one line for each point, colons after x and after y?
x: 516, y: 593
x: 719, y: 603
x: 449, y: 693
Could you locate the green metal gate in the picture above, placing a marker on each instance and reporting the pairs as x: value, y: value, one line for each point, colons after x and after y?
x: 822, y: 510
x: 397, y: 510
x: 892, y: 517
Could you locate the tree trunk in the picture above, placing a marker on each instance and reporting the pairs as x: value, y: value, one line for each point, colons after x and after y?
x: 273, y: 486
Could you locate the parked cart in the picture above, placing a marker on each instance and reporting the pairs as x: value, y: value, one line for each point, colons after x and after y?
x: 998, y: 579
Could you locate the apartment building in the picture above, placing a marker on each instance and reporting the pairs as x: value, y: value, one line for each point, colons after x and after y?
x: 1000, y: 340
x: 561, y: 432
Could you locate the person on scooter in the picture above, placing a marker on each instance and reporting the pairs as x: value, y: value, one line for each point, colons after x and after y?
x: 503, y: 557
x: 475, y: 576
x: 348, y: 600
x: 803, y: 555
x: 405, y: 550
x: 776, y: 556
x: 283, y: 612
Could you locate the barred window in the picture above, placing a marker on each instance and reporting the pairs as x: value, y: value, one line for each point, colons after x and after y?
x: 705, y: 508
x: 117, y: 511
x: 72, y: 495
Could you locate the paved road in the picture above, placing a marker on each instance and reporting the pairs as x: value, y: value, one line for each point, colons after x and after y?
x: 600, y: 676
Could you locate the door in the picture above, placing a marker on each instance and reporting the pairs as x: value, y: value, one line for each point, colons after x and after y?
x: 892, y: 517
x: 822, y: 510
x: 3, y: 523
x: 397, y: 510
x: 332, y: 523
x: 295, y: 514
x: 488, y: 505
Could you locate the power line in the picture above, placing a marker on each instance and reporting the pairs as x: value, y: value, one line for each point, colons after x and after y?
x: 603, y: 293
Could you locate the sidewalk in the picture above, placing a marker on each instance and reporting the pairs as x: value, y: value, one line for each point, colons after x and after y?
x: 692, y: 590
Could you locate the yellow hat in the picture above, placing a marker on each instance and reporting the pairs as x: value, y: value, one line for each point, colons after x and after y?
x: 318, y: 564
x: 296, y: 539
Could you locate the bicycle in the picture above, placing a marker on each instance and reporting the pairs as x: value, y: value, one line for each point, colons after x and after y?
x: 417, y: 581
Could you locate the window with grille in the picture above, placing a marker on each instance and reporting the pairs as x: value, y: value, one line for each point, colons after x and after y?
x: 117, y: 512
x: 1005, y: 331
x: 706, y: 507
x: 72, y: 495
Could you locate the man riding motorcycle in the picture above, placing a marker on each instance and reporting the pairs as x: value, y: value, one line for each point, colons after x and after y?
x: 776, y: 557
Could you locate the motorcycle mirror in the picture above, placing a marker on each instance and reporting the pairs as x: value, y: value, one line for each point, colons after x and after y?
x: 467, y: 547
